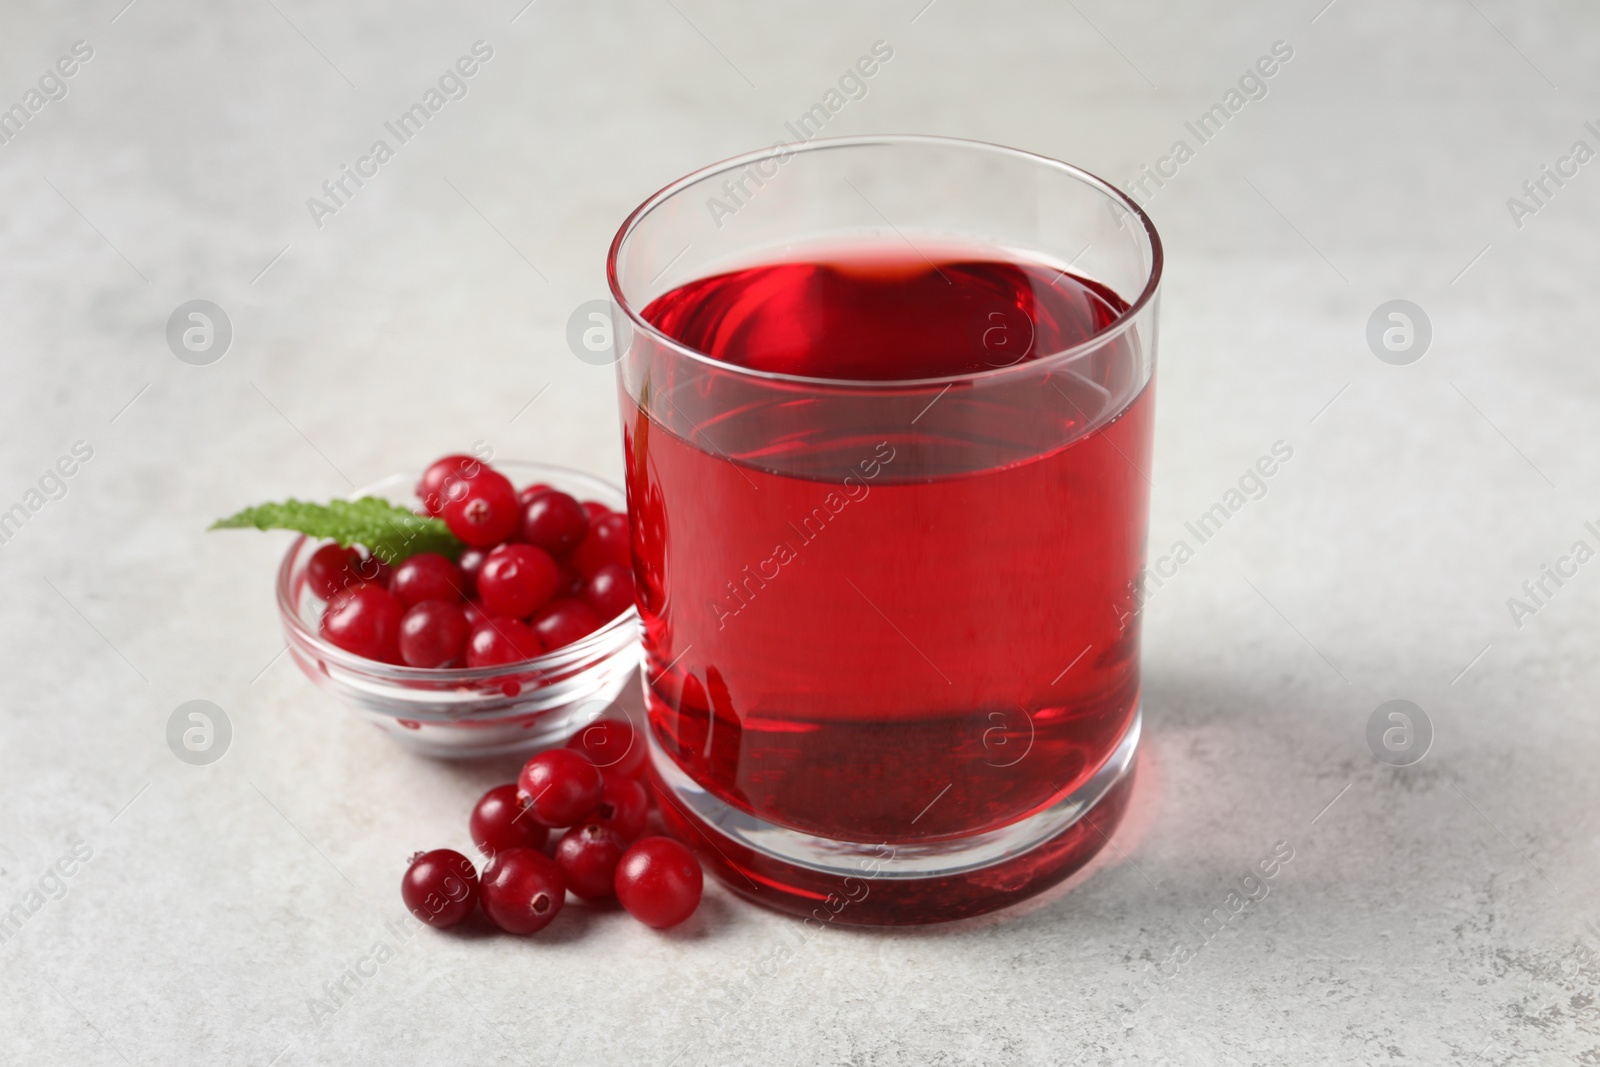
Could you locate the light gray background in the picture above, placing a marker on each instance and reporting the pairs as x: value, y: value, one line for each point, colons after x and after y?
x: 1434, y: 914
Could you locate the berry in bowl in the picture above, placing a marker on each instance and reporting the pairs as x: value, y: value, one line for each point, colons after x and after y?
x: 486, y: 619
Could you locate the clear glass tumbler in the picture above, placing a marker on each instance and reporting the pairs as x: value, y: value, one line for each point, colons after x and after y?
x: 887, y: 411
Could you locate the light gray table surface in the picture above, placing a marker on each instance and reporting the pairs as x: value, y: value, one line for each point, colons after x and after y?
x: 1437, y: 913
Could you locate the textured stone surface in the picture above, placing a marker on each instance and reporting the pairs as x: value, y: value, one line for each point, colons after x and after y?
x: 1432, y: 914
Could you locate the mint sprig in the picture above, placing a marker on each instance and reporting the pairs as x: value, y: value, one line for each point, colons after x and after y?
x: 389, y: 531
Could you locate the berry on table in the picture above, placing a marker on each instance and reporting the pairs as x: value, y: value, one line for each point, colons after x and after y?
x: 522, y: 890
x: 440, y: 887
x: 496, y: 641
x: 433, y: 633
x: 613, y: 745
x: 330, y: 569
x: 482, y: 510
x: 659, y: 882
x: 609, y: 590
x: 606, y: 542
x: 433, y: 489
x: 588, y: 856
x: 500, y: 820
x: 554, y: 521
x: 562, y: 622
x: 365, y: 620
x: 516, y: 579
x: 624, y: 806
x: 425, y: 576
x: 561, y: 786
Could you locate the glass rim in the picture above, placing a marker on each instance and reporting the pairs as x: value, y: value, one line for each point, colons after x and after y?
x: 1120, y: 325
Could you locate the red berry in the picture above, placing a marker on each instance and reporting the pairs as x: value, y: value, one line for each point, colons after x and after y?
x: 561, y: 786
x: 624, y: 806
x: 522, y: 890
x: 607, y: 542
x: 474, y: 612
x: 588, y: 858
x: 369, y: 568
x: 562, y: 622
x: 595, y: 510
x: 330, y: 569
x: 482, y: 510
x: 425, y: 576
x: 496, y: 641
x: 516, y: 579
x: 365, y: 620
x: 526, y: 494
x: 613, y: 745
x: 433, y: 633
x: 659, y: 882
x: 609, y: 591
x: 555, y: 522
x: 470, y: 563
x: 500, y: 820
x: 440, y: 887
x: 572, y: 582
x: 432, y: 490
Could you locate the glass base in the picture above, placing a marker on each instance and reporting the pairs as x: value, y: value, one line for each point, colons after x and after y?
x: 866, y: 884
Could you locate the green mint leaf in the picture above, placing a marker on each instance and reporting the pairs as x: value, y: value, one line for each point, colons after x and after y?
x: 389, y: 531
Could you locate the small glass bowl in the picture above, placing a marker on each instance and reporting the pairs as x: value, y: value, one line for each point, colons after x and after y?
x: 462, y: 712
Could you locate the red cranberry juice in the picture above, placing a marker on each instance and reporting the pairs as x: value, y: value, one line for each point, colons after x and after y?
x: 876, y: 623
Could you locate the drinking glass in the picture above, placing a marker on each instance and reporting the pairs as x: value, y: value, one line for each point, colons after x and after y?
x: 891, y: 623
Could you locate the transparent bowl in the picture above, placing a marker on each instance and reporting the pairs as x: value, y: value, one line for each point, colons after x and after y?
x: 468, y: 712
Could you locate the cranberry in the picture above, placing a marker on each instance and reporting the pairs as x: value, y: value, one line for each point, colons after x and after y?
x: 613, y: 745
x: 561, y: 786
x: 516, y: 579
x: 470, y: 563
x: 607, y: 542
x: 595, y: 510
x: 496, y: 641
x: 500, y: 820
x: 369, y: 568
x: 555, y: 522
x: 562, y: 622
x: 473, y: 610
x: 330, y: 569
x: 440, y: 887
x: 482, y: 510
x: 588, y: 858
x: 526, y: 494
x: 365, y: 620
x: 432, y: 490
x: 609, y: 591
x: 572, y: 582
x: 659, y: 882
x: 522, y: 890
x: 433, y: 633
x: 624, y: 806
x: 425, y: 576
